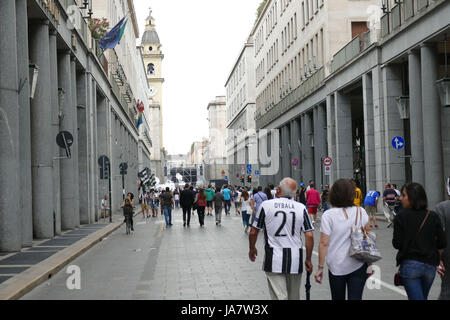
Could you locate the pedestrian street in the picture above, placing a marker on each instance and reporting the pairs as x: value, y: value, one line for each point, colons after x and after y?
x: 194, y: 263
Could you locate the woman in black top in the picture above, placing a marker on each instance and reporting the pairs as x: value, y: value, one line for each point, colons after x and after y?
x: 419, y: 254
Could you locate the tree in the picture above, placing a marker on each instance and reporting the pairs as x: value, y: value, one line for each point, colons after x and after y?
x: 260, y: 9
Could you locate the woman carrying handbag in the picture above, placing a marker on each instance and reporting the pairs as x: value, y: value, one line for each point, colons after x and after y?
x: 420, y: 239
x: 346, y: 274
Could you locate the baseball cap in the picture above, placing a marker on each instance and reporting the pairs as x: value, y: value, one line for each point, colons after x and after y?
x: 302, y: 184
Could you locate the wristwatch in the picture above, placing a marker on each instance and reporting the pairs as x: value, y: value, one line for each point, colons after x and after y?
x: 320, y: 267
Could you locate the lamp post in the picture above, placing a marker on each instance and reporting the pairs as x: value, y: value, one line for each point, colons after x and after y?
x: 443, y: 85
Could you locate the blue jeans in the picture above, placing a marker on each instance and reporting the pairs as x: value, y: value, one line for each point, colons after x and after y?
x: 324, y: 206
x: 354, y: 282
x: 227, y: 206
x: 417, y: 278
x: 168, y: 215
x: 245, y: 218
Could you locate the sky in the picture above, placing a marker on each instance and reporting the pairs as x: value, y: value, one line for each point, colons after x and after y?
x: 201, y: 41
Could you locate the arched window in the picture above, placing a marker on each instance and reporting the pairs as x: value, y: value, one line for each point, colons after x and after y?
x: 151, y: 69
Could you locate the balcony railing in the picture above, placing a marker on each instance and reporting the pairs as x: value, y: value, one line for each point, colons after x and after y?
x: 292, y: 98
x: 99, y: 53
x: 351, y: 50
x: 400, y: 13
x: 78, y: 21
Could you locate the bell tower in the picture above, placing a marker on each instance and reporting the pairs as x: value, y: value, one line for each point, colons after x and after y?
x: 153, y: 57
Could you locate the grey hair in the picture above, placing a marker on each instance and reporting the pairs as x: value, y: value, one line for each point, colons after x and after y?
x: 285, y: 186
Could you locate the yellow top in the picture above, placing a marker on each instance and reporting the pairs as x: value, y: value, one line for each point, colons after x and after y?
x: 358, y: 197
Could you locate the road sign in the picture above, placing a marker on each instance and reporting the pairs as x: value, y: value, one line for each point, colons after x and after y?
x: 257, y: 172
x: 226, y: 178
x: 64, y: 135
x: 249, y: 169
x: 398, y: 143
x: 123, y: 166
x: 64, y: 140
x: 105, y: 167
x: 327, y: 171
x: 295, y: 162
x: 327, y: 161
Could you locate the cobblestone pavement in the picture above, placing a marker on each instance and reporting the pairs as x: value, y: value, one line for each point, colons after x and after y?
x: 194, y: 263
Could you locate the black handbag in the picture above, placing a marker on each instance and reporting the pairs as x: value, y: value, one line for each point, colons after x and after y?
x: 195, y: 206
x: 397, y: 279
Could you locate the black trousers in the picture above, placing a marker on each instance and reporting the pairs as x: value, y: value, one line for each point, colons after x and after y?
x: 187, y: 211
x: 201, y: 215
x: 353, y: 282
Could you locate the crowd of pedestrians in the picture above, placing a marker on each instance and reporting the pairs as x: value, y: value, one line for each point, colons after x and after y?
x: 287, y: 212
x: 420, y: 235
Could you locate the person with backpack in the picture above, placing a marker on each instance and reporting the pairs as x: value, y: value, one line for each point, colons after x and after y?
x: 209, y: 199
x: 420, y: 239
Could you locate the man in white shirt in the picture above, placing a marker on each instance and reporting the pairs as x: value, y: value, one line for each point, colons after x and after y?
x: 283, y: 221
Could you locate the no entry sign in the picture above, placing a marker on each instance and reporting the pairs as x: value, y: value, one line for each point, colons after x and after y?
x: 295, y: 162
x: 327, y: 161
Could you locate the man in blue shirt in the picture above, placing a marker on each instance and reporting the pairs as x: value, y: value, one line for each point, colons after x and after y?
x: 370, y: 204
x: 227, y: 196
x: 258, y: 197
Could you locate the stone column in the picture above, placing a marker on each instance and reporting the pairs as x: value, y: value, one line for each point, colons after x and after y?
x: 415, y: 105
x: 344, y: 143
x: 331, y: 136
x: 67, y: 172
x: 76, y: 189
x: 10, y: 218
x: 55, y: 130
x: 432, y: 139
x: 369, y: 136
x: 320, y: 143
x: 392, y: 88
x: 41, y: 132
x: 26, y: 211
x: 295, y: 148
x: 82, y: 94
x: 286, y: 164
x: 307, y: 150
x: 378, y: 128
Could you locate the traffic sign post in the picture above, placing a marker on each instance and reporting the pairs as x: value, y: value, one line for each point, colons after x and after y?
x: 327, y: 161
x: 123, y: 171
x: 398, y: 143
x: 105, y: 173
x: 64, y: 140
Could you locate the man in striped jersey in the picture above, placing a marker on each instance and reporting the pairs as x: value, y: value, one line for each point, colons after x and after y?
x: 283, y: 221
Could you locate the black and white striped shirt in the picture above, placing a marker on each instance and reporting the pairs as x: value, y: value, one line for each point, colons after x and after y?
x: 283, y: 221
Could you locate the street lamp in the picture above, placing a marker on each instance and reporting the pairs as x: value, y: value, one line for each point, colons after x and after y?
x: 403, y: 107
x: 443, y: 85
x: 34, y: 73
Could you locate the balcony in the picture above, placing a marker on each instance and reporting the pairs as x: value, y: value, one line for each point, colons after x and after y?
x: 77, y: 19
x: 290, y: 100
x: 401, y: 13
x: 98, y: 52
x: 358, y: 44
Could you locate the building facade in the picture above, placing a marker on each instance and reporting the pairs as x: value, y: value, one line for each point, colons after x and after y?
x: 153, y: 57
x: 241, y: 139
x: 55, y: 78
x: 214, y: 154
x: 375, y: 108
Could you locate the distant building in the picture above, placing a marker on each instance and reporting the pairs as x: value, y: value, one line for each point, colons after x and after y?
x: 216, y: 167
x: 241, y: 141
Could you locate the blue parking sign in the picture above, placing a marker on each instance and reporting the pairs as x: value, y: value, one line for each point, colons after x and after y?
x: 398, y: 143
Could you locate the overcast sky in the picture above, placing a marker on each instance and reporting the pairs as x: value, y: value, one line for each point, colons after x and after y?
x: 201, y: 40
